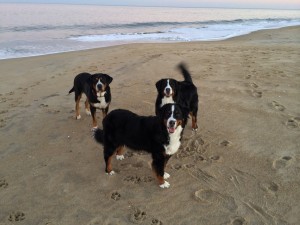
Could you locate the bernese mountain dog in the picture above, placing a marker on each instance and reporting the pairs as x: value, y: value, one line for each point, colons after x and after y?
x: 159, y: 135
x: 97, y: 91
x: 183, y: 93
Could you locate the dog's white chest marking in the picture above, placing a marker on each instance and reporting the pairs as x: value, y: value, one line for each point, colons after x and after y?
x: 174, y: 143
x: 102, y: 104
x: 166, y: 100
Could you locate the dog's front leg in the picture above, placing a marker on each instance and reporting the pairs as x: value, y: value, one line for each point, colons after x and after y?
x: 158, y: 166
x: 93, y: 112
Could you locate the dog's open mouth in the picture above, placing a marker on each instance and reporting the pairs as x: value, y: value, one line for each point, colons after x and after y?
x: 171, y: 130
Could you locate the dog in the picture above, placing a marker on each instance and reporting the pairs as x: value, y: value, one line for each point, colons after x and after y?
x: 159, y: 135
x: 183, y: 93
x: 97, y: 91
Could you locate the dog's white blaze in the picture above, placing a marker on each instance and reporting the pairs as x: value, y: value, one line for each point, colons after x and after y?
x: 102, y: 103
x: 168, y: 86
x: 174, y: 142
x: 99, y: 82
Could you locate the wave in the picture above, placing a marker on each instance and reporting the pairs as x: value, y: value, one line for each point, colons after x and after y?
x: 138, y: 25
x: 209, y: 30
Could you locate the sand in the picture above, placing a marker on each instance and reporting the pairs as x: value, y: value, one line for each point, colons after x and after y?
x: 241, y: 167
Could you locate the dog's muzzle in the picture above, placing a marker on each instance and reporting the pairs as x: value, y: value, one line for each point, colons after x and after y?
x: 171, y: 126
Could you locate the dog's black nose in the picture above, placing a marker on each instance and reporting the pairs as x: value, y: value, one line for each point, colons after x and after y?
x: 172, y: 123
x: 99, y: 86
x: 168, y: 90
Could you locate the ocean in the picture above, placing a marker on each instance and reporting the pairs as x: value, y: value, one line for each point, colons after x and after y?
x: 40, y: 29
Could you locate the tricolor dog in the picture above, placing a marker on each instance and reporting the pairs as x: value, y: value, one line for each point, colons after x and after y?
x: 97, y: 91
x: 159, y: 135
x: 183, y: 93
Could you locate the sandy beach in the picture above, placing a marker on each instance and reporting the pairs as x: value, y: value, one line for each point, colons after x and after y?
x: 241, y: 167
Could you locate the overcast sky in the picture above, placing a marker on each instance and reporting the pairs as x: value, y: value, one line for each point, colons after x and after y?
x: 273, y: 4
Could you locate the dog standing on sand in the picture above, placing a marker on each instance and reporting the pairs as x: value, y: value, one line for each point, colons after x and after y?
x: 183, y: 93
x: 97, y: 91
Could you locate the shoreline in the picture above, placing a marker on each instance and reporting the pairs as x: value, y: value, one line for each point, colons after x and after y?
x: 120, y: 43
x: 241, y: 167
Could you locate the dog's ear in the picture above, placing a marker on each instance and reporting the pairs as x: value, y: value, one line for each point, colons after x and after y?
x: 159, y: 84
x: 108, y: 78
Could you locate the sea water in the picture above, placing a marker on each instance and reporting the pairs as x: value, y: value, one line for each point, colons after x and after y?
x: 39, y: 29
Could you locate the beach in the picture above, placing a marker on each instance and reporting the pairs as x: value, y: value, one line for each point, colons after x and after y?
x: 240, y: 167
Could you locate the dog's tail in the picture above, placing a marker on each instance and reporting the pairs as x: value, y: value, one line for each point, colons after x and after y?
x: 98, y: 135
x: 72, y: 89
x: 186, y: 74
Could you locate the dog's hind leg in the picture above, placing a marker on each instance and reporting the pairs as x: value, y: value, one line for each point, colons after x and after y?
x: 87, y: 107
x: 120, y: 152
x: 194, y: 121
x: 77, y: 107
x: 108, y: 153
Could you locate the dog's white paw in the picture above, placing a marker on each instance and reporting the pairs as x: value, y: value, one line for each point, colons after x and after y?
x: 94, y: 129
x: 88, y: 112
x: 166, y: 175
x: 111, y: 173
x: 120, y: 157
x: 165, y: 185
x: 78, y: 117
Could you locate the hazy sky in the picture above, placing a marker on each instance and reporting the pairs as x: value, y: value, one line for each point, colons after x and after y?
x: 273, y: 4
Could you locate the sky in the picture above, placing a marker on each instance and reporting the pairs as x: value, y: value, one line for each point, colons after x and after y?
x: 272, y: 4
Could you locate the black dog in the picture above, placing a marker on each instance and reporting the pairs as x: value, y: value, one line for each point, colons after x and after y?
x: 159, y: 135
x: 183, y: 93
x: 97, y: 90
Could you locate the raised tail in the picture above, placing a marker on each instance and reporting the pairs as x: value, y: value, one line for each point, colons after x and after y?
x: 98, y: 135
x: 186, y: 74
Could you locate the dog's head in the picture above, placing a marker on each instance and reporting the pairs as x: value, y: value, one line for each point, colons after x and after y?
x: 167, y: 87
x: 100, y: 81
x: 173, y: 116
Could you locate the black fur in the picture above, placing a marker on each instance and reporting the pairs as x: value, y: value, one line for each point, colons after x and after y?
x: 86, y: 83
x: 184, y: 93
x: 149, y: 133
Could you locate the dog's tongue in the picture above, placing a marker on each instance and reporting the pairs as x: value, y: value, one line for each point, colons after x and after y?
x: 171, y: 129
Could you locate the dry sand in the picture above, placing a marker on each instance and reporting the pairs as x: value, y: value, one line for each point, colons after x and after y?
x: 241, y: 167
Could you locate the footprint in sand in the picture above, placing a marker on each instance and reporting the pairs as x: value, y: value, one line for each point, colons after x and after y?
x: 3, y: 184
x: 137, y: 179
x: 115, y: 196
x: 215, y: 158
x: 277, y: 106
x: 293, y: 123
x: 283, y: 162
x: 248, y: 76
x: 16, y: 217
x: 176, y: 166
x: 238, y: 221
x: 225, y: 143
x: 253, y: 85
x: 256, y: 94
x: 206, y: 196
x: 156, y: 222
x: 270, y: 187
x: 138, y: 216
